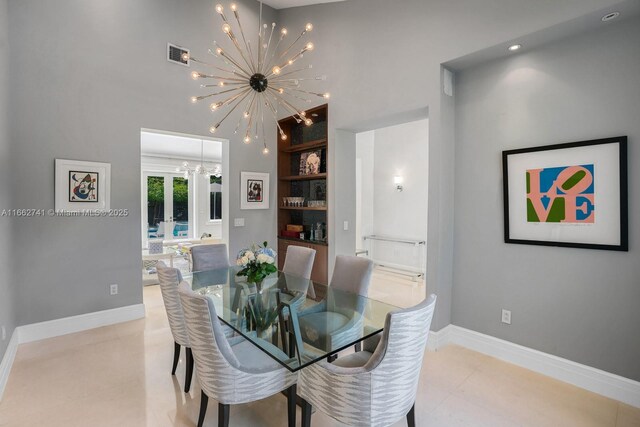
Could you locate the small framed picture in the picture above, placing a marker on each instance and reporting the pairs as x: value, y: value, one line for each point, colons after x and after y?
x: 82, y: 185
x: 571, y: 195
x: 310, y: 162
x: 254, y: 190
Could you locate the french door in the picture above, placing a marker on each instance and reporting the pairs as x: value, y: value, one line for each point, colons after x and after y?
x: 168, y: 198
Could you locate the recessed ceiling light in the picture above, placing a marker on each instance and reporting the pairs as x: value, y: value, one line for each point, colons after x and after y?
x: 514, y: 47
x: 610, y: 16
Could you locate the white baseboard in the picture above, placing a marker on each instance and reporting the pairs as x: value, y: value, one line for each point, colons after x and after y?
x: 82, y: 322
x: 64, y: 326
x: 7, y: 361
x: 586, y: 377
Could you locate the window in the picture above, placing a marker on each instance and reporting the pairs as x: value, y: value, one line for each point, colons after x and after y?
x: 215, y: 197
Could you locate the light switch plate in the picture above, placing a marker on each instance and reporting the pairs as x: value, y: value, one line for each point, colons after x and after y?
x: 238, y: 222
x: 345, y: 225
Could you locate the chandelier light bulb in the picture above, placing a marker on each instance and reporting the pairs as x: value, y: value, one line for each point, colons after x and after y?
x: 212, y: 129
x: 281, y: 90
x: 283, y: 137
x: 219, y: 8
x: 185, y: 56
x: 265, y: 151
x: 308, y: 122
x: 309, y: 46
x: 308, y: 27
x: 303, y: 113
x: 226, y: 28
x: 221, y: 83
x: 194, y: 99
x: 185, y: 164
x: 195, y: 75
x: 246, y: 114
x: 219, y: 51
x: 283, y: 32
x: 247, y: 139
x: 233, y: 7
x: 327, y: 95
x: 215, y: 106
x: 275, y: 70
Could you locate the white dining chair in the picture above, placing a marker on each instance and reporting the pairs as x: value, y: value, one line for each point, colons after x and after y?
x: 169, y: 278
x: 235, y: 374
x: 375, y: 387
x: 299, y: 263
x: 209, y: 257
x: 336, y: 321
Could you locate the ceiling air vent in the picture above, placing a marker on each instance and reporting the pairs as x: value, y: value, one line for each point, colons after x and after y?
x: 175, y: 53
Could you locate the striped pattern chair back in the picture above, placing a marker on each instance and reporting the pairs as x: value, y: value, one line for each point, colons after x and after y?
x: 169, y: 279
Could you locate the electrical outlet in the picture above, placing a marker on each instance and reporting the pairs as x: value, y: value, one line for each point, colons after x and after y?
x: 113, y: 289
x: 238, y: 222
x: 4, y: 332
x: 345, y: 225
x: 506, y: 316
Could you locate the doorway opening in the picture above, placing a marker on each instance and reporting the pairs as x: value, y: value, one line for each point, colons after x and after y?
x: 391, y: 209
x: 183, y: 196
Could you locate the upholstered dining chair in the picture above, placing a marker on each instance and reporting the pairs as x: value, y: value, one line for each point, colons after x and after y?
x: 209, y: 257
x: 235, y: 374
x: 169, y: 279
x: 337, y: 320
x: 299, y: 263
x: 377, y: 386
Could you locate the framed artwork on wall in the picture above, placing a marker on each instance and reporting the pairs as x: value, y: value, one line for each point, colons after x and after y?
x: 310, y: 162
x: 254, y: 190
x: 569, y: 195
x: 82, y: 185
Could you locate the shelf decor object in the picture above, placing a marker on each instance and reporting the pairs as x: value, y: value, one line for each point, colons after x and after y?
x: 254, y: 190
x: 258, y: 79
x: 82, y: 185
x: 569, y: 195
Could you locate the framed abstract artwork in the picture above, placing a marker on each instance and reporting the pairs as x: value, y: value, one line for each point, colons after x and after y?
x: 82, y: 185
x: 571, y: 195
x: 254, y: 190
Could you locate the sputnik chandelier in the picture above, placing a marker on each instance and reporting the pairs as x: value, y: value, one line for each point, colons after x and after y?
x: 261, y: 82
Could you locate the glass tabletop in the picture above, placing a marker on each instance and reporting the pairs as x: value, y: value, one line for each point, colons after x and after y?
x: 293, y: 320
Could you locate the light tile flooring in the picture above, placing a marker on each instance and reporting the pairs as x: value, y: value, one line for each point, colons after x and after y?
x: 119, y: 376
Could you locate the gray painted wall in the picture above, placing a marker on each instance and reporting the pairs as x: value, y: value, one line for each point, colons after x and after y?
x: 383, y: 65
x: 85, y: 77
x: 578, y: 304
x: 7, y: 302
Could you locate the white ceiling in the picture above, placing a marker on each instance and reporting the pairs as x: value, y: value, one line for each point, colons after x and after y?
x: 180, y: 147
x: 283, y: 4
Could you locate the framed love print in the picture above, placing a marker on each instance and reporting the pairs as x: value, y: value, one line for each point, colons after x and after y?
x: 571, y: 195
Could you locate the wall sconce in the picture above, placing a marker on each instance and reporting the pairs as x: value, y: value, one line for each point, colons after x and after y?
x: 397, y: 181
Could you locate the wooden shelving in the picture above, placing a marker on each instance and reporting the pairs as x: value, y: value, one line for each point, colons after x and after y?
x: 291, y: 152
x: 304, y: 208
x: 320, y: 143
x: 303, y: 177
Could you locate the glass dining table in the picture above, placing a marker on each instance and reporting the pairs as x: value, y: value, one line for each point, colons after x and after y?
x: 293, y: 320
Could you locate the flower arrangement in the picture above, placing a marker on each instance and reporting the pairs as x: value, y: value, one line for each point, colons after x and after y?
x: 257, y: 262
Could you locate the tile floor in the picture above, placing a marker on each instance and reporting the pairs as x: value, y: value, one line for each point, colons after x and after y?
x: 120, y: 376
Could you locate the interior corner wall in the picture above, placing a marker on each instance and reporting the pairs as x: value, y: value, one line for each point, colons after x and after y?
x: 578, y: 304
x: 7, y: 299
x: 85, y: 78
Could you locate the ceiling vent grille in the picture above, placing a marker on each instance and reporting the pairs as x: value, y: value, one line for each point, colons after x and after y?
x: 174, y: 54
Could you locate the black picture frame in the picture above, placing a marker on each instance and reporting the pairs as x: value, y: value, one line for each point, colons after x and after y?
x: 608, y: 163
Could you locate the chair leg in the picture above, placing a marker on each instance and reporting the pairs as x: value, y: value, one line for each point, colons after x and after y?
x: 411, y: 416
x: 204, y: 399
x: 358, y: 347
x: 331, y: 358
x: 176, y: 357
x: 189, y: 373
x: 291, y: 405
x: 223, y: 415
x: 306, y: 413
